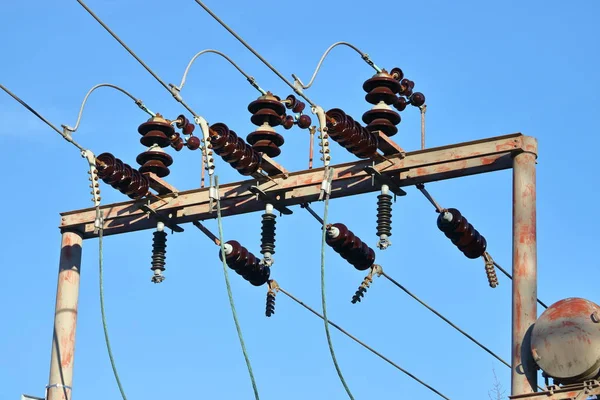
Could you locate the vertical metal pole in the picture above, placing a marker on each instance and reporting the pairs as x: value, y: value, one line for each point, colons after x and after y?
x: 65, y: 318
x: 524, y: 289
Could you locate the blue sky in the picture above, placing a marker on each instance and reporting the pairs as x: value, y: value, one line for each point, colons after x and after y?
x: 486, y: 68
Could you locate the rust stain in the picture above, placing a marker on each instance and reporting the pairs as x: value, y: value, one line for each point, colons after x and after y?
x: 421, y: 171
x: 569, y: 308
x: 487, y: 160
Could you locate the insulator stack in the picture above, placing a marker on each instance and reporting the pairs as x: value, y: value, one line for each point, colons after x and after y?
x: 267, y: 239
x: 350, y: 247
x: 267, y: 113
x: 121, y: 176
x: 461, y: 232
x: 302, y: 120
x: 159, y: 254
x: 351, y: 135
x: 383, y: 91
x: 156, y: 134
x: 245, y: 263
x: 233, y: 149
x: 384, y: 218
x: 270, y: 309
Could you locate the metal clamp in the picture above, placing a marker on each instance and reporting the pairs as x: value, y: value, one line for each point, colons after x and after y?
x: 160, y: 218
x: 267, y: 198
x: 385, y: 180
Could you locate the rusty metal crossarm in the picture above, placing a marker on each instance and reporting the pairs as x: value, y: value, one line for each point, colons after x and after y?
x: 580, y: 391
x: 423, y: 166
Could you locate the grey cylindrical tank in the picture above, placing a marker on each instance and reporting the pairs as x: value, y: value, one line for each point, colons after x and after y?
x: 565, y: 341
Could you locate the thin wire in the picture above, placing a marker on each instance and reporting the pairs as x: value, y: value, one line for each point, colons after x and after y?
x: 324, y: 302
x: 271, y: 67
x: 248, y: 77
x: 229, y: 294
x: 137, y: 101
x: 362, y: 54
x: 446, y: 320
x: 104, y: 324
x: 68, y: 138
x: 509, y: 276
x: 362, y: 343
x: 173, y: 92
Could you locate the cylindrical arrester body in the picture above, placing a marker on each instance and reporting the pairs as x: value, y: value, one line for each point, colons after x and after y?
x: 350, y: 247
x: 461, y: 232
x: 159, y: 253
x: 267, y: 242
x: 384, y: 218
x: 246, y: 264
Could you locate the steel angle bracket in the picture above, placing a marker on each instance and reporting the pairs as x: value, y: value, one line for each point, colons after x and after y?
x: 267, y: 198
x: 160, y: 218
x: 385, y: 180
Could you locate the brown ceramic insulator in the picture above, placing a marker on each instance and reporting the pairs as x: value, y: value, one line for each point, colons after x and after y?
x: 117, y: 173
x: 381, y: 119
x: 381, y: 79
x: 177, y: 142
x: 181, y: 121
x: 105, y: 164
x: 233, y: 149
x: 245, y: 264
x: 406, y: 87
x: 288, y: 122
x: 351, y: 135
x: 299, y: 106
x: 245, y: 157
x: 400, y: 104
x: 462, y: 234
x: 417, y: 99
x: 351, y: 248
x: 193, y: 143
x: 253, y: 166
x: 267, y: 115
x: 304, y: 121
x: 139, y: 185
x: 125, y: 179
x: 381, y: 93
x: 397, y: 73
x: 160, y: 131
x: 188, y: 129
x: 156, y: 162
x: 268, y: 102
x: 371, y: 148
x: 266, y: 142
x: 291, y: 101
x: 384, y: 126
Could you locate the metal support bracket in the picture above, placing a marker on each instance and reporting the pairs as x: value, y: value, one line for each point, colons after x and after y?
x: 578, y: 391
x: 385, y: 180
x: 160, y: 218
x: 267, y: 198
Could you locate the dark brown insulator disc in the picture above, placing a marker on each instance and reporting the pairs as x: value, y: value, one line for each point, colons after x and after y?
x: 398, y: 72
x: 267, y: 147
x: 117, y: 173
x: 381, y: 113
x: 262, y: 103
x: 477, y: 249
x: 337, y: 125
x: 274, y: 137
x: 125, y: 180
x: 288, y: 122
x: 253, y: 167
x: 304, y: 121
x: 177, y: 142
x: 381, y: 93
x: 406, y: 87
x: 193, y: 143
x: 384, y: 126
x: 182, y: 121
x: 146, y: 156
x: 105, y: 165
x: 156, y: 167
x: 266, y: 115
x: 291, y: 101
x: 155, y: 137
x: 372, y: 147
x: 263, y: 276
x: 236, y: 246
x: 163, y: 127
x: 188, y: 129
x: 143, y: 187
x: 417, y: 99
x: 245, y: 160
x: 400, y: 104
x: 381, y: 79
x: 234, y: 150
x: 299, y: 106
x: 134, y: 183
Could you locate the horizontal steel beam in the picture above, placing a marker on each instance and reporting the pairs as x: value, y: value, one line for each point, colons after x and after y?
x: 295, y: 188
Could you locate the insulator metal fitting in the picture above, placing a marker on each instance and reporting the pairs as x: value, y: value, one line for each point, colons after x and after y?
x: 456, y: 228
x: 159, y: 253
x: 384, y: 218
x: 349, y: 246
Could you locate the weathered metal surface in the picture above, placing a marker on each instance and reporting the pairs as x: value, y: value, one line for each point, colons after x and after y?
x: 65, y: 318
x: 524, y: 285
x: 580, y: 391
x: 565, y: 341
x: 421, y: 166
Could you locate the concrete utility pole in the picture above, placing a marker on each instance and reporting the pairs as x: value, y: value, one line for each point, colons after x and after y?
x: 65, y: 318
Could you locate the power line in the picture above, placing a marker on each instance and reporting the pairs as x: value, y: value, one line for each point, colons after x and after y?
x: 339, y: 328
x: 68, y: 138
x: 509, y: 276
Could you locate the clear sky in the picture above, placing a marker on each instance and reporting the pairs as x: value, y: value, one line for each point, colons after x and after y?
x: 486, y: 68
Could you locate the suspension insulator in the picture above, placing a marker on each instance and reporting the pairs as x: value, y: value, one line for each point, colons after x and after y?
x: 384, y: 219
x: 397, y: 73
x: 156, y: 134
x: 267, y: 112
x: 350, y: 134
x: 233, y: 149
x: 177, y: 141
x: 121, y: 176
x: 288, y: 122
x: 270, y: 309
x: 461, y: 232
x: 239, y: 259
x: 350, y: 247
x: 294, y: 104
x: 406, y: 87
x: 159, y: 254
x: 267, y: 238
